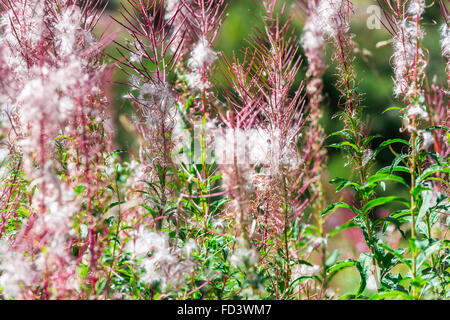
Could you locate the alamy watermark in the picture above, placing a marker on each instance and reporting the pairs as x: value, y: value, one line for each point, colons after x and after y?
x: 373, y: 21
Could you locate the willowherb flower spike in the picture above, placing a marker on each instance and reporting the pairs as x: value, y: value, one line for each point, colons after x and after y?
x: 55, y: 92
x: 334, y: 20
x: 232, y: 147
x: 157, y: 29
x: 409, y: 61
x: 204, y: 18
x: 155, y: 42
x: 445, y: 38
x: 267, y: 109
x: 313, y: 42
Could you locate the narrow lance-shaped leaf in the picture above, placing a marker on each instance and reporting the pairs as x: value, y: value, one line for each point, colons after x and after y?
x: 337, y: 205
x: 381, y: 201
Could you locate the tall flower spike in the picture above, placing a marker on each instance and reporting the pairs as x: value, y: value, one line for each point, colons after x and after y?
x: 55, y: 92
x: 204, y: 18
x: 232, y: 147
x: 179, y: 9
x: 283, y: 121
x: 313, y: 42
x: 265, y: 92
x: 155, y: 43
x: 409, y: 61
x: 445, y: 38
x: 335, y: 18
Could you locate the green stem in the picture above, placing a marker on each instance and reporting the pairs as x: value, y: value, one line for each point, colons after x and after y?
x: 413, y: 203
x: 286, y: 221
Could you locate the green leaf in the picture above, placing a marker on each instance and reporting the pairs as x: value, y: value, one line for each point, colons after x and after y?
x: 114, y: 153
x: 363, y: 267
x: 114, y: 204
x: 344, y: 133
x: 394, y: 168
x: 100, y: 286
x: 345, y: 146
x: 340, y: 265
x: 427, y: 198
x: 392, y: 108
x: 188, y: 104
x: 431, y: 170
x: 394, y: 295
x: 299, y: 261
x: 343, y: 183
x: 392, y: 220
x: 386, y: 143
x: 425, y: 247
x: 361, y: 221
x: 336, y: 205
x: 352, y: 145
x: 384, y: 176
x: 387, y: 261
x: 79, y: 189
x: 392, y: 282
x: 332, y: 258
x: 395, y: 253
x: 444, y: 128
x: 370, y: 138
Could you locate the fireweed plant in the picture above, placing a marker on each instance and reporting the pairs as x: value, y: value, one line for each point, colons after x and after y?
x: 225, y: 194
